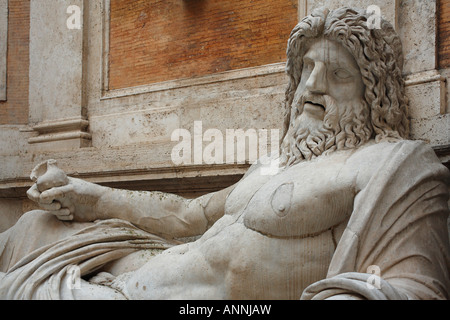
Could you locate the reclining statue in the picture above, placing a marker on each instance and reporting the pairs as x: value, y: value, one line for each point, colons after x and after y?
x: 353, y: 211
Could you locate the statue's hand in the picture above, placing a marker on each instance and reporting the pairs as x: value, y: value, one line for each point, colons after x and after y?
x: 65, y: 197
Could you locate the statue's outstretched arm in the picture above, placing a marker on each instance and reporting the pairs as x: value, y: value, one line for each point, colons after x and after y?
x: 169, y: 215
x: 165, y: 214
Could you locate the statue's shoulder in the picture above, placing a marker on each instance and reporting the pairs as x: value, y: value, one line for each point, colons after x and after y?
x: 373, y: 158
x: 378, y: 152
x: 269, y: 162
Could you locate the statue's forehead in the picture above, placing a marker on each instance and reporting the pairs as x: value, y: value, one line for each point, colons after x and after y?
x: 331, y: 52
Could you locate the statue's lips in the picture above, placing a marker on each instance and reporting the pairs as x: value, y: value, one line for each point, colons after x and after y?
x: 314, y: 109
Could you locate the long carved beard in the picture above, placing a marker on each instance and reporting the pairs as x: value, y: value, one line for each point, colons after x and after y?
x: 343, y: 127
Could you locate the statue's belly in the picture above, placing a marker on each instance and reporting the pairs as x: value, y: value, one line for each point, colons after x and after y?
x: 300, y: 203
x: 264, y: 267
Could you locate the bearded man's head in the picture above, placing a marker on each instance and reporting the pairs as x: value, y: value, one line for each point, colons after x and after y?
x: 345, y: 85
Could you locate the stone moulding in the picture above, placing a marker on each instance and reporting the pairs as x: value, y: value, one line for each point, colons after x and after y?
x: 188, y: 82
x: 65, y: 129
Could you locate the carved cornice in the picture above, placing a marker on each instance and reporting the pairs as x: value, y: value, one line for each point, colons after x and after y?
x: 193, y: 179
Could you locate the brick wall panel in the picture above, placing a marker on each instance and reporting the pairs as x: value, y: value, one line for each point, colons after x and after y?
x: 153, y: 41
x: 15, y: 109
x: 444, y: 34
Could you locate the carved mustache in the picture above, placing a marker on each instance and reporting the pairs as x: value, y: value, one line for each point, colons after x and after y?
x: 315, y: 99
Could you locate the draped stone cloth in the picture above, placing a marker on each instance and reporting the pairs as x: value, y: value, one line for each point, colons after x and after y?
x: 45, y: 273
x: 399, y: 225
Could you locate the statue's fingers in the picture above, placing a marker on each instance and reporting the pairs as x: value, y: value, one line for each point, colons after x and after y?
x: 33, y: 193
x: 63, y: 214
x: 66, y: 218
x: 50, y: 195
x: 54, y: 206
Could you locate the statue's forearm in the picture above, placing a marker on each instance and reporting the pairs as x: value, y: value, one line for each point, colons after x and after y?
x: 161, y: 213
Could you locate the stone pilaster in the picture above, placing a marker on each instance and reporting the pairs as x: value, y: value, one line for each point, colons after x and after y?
x: 57, y: 111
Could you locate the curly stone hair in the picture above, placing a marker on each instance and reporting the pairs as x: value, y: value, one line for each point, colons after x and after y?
x: 378, y: 53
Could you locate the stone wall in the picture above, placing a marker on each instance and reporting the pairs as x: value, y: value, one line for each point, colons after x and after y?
x: 121, y: 135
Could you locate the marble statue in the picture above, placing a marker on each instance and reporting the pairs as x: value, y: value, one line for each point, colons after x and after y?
x: 354, y: 211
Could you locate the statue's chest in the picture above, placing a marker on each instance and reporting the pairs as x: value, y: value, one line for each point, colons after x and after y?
x: 301, y: 201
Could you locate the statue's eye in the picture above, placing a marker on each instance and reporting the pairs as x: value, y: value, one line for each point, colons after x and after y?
x: 342, y: 74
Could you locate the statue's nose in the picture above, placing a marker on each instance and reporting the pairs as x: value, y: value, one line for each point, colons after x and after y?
x: 317, y: 81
